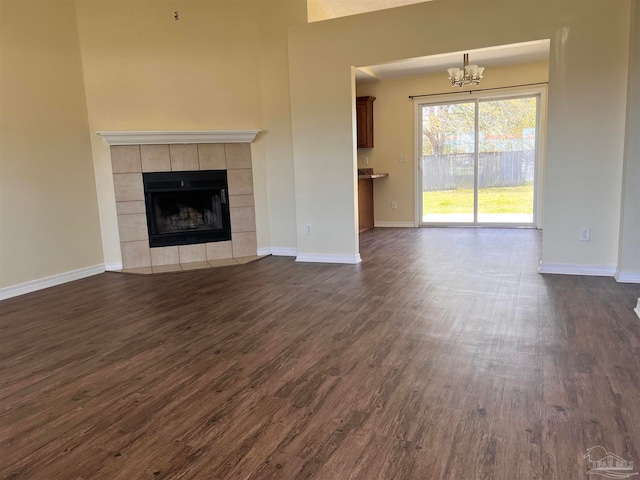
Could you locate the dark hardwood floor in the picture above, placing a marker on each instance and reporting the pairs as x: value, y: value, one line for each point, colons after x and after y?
x: 444, y: 355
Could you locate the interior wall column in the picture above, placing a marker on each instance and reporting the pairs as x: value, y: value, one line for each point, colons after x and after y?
x: 629, y: 247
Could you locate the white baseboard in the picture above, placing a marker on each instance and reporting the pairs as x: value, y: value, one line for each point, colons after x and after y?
x: 278, y: 251
x: 52, y: 281
x: 323, y: 258
x: 394, y: 224
x: 577, y: 269
x: 113, y: 267
x: 637, y: 309
x: 627, y: 277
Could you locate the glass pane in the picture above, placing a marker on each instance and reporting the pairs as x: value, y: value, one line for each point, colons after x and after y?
x: 448, y: 162
x: 506, y: 163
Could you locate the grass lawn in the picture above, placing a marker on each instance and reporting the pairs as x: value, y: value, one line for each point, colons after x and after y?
x: 490, y: 200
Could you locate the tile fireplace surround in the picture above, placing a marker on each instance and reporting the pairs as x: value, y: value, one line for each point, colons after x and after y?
x: 130, y: 160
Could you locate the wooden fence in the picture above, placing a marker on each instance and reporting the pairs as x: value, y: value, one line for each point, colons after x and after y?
x: 495, y: 169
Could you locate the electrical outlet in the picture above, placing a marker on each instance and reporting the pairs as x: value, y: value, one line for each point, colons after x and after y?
x: 585, y: 234
x: 402, y: 158
x: 307, y: 229
x: 366, y: 160
x: 394, y: 204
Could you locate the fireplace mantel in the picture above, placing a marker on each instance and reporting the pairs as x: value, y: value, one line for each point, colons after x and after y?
x: 179, y: 137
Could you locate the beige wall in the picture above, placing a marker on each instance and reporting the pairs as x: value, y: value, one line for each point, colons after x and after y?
x: 629, y: 255
x: 394, y: 124
x: 586, y: 116
x: 222, y: 66
x: 48, y: 211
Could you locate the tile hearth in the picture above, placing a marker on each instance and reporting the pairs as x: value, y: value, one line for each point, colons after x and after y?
x: 130, y: 161
x: 180, y: 267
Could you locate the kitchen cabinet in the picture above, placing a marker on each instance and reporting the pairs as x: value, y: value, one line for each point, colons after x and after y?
x: 365, y: 197
x: 364, y: 120
x: 365, y: 204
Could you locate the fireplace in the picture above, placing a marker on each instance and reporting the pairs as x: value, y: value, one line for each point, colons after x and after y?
x: 187, y: 207
x: 134, y: 154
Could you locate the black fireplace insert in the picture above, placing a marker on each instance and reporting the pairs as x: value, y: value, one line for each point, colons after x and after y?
x: 187, y: 207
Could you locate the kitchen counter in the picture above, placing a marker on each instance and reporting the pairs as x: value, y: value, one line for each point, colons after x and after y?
x: 372, y: 175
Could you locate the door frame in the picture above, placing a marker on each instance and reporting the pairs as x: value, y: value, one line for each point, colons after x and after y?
x: 541, y: 140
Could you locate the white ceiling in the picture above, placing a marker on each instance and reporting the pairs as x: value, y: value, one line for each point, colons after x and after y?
x: 342, y: 8
x: 499, y: 56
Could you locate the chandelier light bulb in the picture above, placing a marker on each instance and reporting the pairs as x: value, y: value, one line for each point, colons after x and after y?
x: 455, y: 73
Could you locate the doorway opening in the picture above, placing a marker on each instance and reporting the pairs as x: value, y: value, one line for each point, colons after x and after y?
x: 479, y: 159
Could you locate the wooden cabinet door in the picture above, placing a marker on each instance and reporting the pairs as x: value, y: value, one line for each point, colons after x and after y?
x: 365, y: 204
x: 364, y: 119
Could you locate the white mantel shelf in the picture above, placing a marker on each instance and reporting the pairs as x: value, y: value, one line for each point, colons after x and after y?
x: 183, y: 136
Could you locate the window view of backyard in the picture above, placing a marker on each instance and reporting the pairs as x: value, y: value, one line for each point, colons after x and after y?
x: 502, y: 182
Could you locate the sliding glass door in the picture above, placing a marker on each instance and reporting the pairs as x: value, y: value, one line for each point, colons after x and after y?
x: 448, y: 162
x: 478, y: 161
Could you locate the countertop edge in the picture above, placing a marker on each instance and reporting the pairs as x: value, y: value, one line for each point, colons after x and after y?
x: 373, y: 175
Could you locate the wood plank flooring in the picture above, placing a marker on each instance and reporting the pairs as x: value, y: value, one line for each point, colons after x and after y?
x: 444, y: 355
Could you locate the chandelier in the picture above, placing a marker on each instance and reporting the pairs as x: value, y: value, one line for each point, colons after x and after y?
x: 468, y: 75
